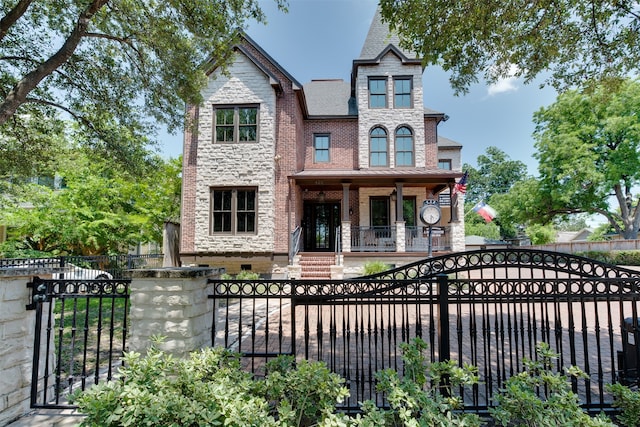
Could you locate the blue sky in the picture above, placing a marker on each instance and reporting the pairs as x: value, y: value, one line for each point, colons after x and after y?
x: 319, y: 39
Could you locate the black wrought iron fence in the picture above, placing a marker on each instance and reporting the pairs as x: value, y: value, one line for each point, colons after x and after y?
x: 489, y: 309
x: 99, y: 267
x: 80, y: 335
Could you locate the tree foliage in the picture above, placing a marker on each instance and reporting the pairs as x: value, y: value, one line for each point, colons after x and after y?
x: 496, y: 173
x: 115, y: 67
x: 588, y: 146
x: 578, y: 41
x: 101, y: 209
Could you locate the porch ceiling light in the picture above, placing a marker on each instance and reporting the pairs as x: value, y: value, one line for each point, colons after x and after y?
x: 321, y: 196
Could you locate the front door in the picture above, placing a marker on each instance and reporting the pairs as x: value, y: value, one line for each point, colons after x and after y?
x: 320, y: 222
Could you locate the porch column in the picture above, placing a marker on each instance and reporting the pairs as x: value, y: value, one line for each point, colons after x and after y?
x: 399, y: 210
x: 346, y: 219
x: 400, y: 237
x: 454, y: 204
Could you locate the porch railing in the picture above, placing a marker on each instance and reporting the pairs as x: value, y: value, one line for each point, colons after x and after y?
x: 417, y: 239
x: 373, y: 239
x: 384, y: 239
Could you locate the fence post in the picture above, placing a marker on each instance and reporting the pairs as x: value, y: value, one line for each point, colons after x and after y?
x: 444, y: 350
x: 443, y: 318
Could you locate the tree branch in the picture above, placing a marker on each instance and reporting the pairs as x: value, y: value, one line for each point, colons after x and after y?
x: 12, y: 17
x: 18, y: 94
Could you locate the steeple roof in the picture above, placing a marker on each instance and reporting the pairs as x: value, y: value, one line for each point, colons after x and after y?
x: 379, y: 38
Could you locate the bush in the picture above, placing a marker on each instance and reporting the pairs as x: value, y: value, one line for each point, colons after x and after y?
x: 422, y: 397
x: 623, y: 258
x: 628, y: 401
x: 375, y: 267
x: 519, y: 403
x: 205, y: 390
x: 243, y: 275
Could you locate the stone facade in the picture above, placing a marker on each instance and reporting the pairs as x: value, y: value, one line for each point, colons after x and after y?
x: 390, y: 118
x: 292, y: 186
x: 17, y: 330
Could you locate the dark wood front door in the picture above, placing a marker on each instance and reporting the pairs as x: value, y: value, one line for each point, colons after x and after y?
x: 320, y: 222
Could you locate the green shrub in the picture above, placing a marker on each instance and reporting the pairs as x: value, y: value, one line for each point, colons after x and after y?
x: 304, y: 392
x: 614, y: 257
x: 243, y: 275
x: 422, y: 397
x: 375, y: 267
x: 519, y: 404
x: 158, y: 390
x: 628, y: 401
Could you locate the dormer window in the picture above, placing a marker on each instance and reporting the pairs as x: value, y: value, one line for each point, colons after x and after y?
x: 378, y: 151
x: 377, y: 92
x: 402, y: 92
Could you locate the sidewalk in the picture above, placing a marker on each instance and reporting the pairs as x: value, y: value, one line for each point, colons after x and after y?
x: 49, y: 418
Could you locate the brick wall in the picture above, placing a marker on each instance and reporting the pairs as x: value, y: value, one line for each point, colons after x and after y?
x: 343, y: 149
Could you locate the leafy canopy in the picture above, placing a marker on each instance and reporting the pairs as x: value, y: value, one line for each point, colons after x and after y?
x: 101, y: 209
x: 578, y: 41
x: 588, y: 146
x: 115, y: 67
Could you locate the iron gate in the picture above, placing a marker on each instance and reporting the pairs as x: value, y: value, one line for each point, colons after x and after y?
x: 485, y: 308
x: 79, y: 338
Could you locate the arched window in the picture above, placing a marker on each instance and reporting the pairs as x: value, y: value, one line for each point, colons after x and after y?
x: 404, y: 147
x: 378, y: 153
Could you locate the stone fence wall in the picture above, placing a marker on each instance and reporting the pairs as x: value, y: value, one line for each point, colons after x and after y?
x: 168, y: 302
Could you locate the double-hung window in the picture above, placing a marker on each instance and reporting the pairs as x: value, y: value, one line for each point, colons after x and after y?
x: 234, y: 124
x: 377, y: 92
x: 378, y: 151
x: 404, y: 147
x: 321, y: 148
x: 402, y: 92
x: 233, y: 210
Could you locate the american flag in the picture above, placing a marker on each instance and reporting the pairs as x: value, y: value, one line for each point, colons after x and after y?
x: 461, y: 186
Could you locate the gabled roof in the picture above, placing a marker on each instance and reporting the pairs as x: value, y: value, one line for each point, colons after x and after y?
x: 448, y: 143
x: 379, y: 38
x: 329, y: 98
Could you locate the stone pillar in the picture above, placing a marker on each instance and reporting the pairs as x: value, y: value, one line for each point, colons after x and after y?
x: 17, y: 331
x: 173, y: 303
x: 401, y: 237
x: 346, y: 236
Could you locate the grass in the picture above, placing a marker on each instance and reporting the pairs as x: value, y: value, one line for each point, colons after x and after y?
x: 89, y: 332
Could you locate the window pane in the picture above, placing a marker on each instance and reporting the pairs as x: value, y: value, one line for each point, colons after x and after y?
x: 245, y: 216
x: 221, y: 211
x: 402, y: 91
x: 378, y: 147
x: 321, y: 148
x: 444, y: 164
x: 377, y: 93
x: 247, y: 133
x: 409, y: 211
x: 404, y: 147
x: 224, y: 116
x: 247, y: 116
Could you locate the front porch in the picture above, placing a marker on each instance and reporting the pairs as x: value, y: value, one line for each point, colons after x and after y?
x: 400, y: 238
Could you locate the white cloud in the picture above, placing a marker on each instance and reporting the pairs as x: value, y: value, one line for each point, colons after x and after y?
x: 503, y: 86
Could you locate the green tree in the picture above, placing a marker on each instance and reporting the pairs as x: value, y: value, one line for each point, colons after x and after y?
x: 101, y: 209
x: 588, y: 148
x: 496, y: 174
x: 117, y: 68
x: 578, y: 41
